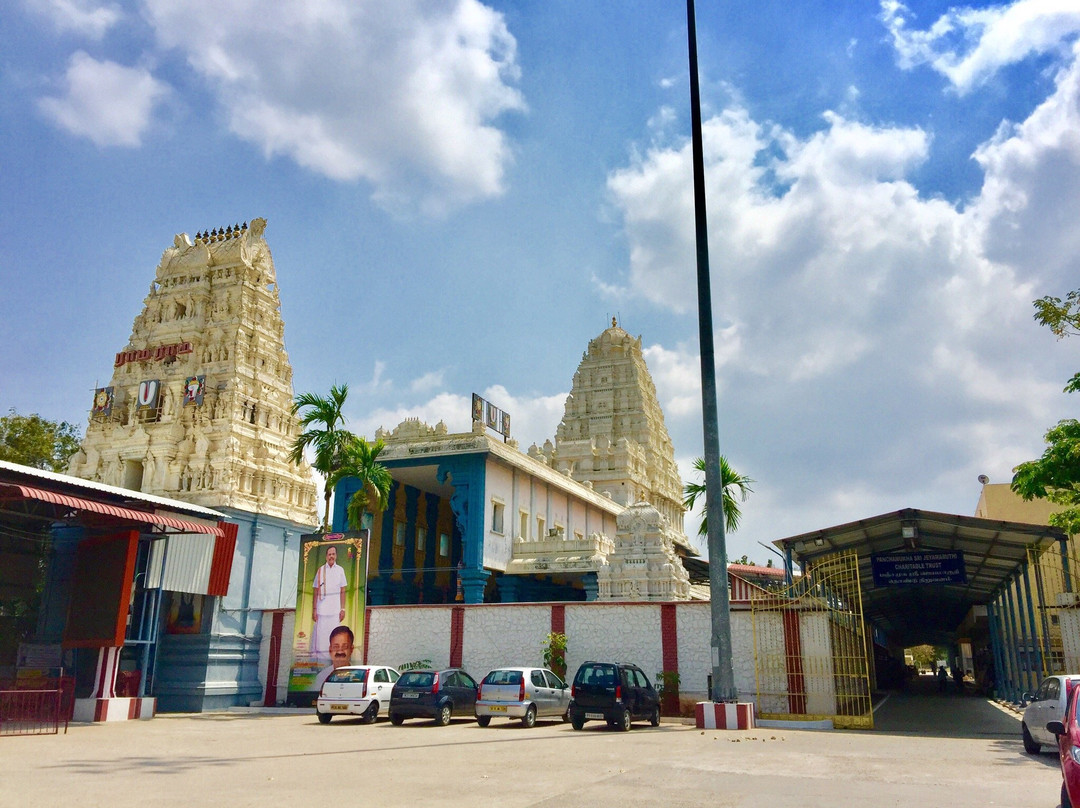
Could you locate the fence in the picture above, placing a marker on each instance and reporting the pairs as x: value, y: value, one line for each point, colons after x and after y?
x: 32, y: 712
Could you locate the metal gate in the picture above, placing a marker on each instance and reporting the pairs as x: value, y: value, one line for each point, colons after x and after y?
x: 1055, y: 636
x: 810, y: 648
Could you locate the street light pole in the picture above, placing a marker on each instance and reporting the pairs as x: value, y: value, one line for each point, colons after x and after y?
x: 723, y: 674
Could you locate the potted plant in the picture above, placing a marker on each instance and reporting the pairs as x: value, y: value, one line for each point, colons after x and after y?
x: 667, y: 682
x: 554, y: 648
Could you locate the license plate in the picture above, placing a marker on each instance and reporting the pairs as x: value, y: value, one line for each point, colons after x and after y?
x: 339, y: 708
x: 595, y: 716
x: 496, y: 709
x: 410, y: 695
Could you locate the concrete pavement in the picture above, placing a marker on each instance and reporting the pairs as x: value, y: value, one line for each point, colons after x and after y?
x: 263, y: 760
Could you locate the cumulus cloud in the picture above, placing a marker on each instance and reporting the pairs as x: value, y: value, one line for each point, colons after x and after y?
x: 108, y: 103
x: 406, y: 96
x: 876, y: 347
x: 968, y: 46
x: 82, y: 17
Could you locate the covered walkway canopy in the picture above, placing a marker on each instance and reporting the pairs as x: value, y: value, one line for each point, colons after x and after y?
x: 912, y: 612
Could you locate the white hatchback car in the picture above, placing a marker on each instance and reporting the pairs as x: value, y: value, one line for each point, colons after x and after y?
x: 1046, y: 704
x: 361, y: 690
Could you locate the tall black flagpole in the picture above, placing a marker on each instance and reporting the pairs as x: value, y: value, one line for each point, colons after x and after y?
x: 723, y: 674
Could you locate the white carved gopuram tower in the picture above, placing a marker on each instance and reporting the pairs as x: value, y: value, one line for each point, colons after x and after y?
x: 199, y: 409
x: 612, y: 434
x: 213, y: 424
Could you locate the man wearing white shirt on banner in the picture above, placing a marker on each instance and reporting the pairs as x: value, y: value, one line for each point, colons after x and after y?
x: 328, y: 602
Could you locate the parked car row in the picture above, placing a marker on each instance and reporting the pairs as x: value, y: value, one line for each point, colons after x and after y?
x: 1050, y: 717
x: 614, y: 692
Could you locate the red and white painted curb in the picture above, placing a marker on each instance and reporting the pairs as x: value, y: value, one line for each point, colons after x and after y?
x: 710, y: 715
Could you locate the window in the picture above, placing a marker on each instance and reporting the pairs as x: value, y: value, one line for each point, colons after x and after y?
x: 421, y: 539
x: 554, y: 681
x: 380, y: 675
x: 538, y: 679
x: 444, y: 545
x: 540, y: 535
x: 523, y: 527
x: 497, y: 511
x: 399, y: 534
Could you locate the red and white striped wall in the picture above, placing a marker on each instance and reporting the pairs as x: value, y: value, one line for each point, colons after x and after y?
x: 710, y: 715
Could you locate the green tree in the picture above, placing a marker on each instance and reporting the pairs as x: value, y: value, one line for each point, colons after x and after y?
x: 926, y: 656
x: 1056, y: 475
x: 360, y: 460
x: 324, y: 434
x: 734, y: 485
x: 35, y: 441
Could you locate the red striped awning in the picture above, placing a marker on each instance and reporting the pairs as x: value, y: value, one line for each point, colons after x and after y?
x: 14, y: 491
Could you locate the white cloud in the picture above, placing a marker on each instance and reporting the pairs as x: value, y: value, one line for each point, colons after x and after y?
x: 879, y: 350
x: 427, y: 382
x: 405, y: 95
x: 108, y: 103
x: 82, y: 17
x: 968, y: 46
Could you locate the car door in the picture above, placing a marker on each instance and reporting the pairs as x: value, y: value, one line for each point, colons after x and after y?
x: 1046, y: 707
x: 380, y: 686
x: 466, y: 693
x: 542, y: 697
x: 560, y: 692
x: 647, y: 696
x: 629, y: 689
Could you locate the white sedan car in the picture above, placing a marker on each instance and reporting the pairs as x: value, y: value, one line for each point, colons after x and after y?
x: 362, y: 690
x: 1048, y: 703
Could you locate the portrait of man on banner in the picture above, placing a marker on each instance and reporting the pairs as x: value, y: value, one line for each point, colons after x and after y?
x: 330, y: 601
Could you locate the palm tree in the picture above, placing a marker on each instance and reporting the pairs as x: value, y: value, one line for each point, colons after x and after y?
x: 323, y: 422
x: 360, y: 460
x: 733, y: 484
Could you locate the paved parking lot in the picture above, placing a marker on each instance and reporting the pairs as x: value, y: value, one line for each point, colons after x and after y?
x: 235, y: 760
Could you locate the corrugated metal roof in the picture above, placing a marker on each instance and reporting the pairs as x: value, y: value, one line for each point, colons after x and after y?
x: 126, y: 493
x: 14, y: 490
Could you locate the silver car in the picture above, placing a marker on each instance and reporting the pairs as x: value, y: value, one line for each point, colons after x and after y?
x: 522, y: 693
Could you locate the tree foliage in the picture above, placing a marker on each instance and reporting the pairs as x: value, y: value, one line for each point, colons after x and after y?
x: 1056, y: 475
x: 926, y: 656
x: 360, y: 460
x: 324, y: 433
x: 734, y: 485
x: 35, y: 441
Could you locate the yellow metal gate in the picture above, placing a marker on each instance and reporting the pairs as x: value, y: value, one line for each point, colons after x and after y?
x: 810, y: 650
x: 1053, y: 579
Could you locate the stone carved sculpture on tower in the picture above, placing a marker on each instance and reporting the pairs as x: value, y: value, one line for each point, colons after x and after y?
x: 199, y: 404
x: 613, y: 435
x: 644, y: 564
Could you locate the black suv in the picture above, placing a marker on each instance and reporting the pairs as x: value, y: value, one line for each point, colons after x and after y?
x: 614, y: 692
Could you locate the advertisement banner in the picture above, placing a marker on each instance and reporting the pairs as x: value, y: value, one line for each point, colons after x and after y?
x: 331, y: 593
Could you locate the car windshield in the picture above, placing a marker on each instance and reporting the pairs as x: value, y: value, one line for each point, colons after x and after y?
x: 348, y: 675
x: 503, y: 678
x: 416, y: 679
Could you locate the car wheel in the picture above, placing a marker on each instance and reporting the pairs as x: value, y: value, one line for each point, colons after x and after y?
x: 1030, y: 746
x: 324, y: 718
x: 371, y: 713
x: 442, y: 718
x: 654, y: 718
x: 576, y: 722
x: 623, y: 724
x: 530, y: 717
x: 566, y: 715
x: 483, y: 720
x: 396, y: 719
x: 1065, y: 801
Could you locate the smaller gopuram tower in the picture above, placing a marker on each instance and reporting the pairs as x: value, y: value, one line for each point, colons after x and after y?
x: 198, y: 409
x: 612, y: 434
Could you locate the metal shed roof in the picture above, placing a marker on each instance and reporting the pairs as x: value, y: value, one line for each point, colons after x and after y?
x: 926, y: 613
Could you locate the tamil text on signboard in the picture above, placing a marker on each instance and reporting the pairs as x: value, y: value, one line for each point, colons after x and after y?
x: 914, y: 569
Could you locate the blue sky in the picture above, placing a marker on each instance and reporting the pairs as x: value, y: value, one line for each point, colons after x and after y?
x: 460, y: 195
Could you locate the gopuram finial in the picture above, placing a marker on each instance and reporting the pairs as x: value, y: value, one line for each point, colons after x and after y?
x: 613, y: 323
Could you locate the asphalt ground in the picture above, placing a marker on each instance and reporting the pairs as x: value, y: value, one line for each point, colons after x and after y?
x: 927, y: 751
